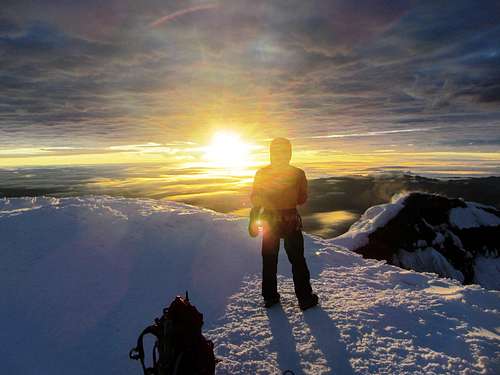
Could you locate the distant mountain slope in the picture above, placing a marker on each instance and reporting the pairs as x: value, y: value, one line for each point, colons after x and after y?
x: 431, y: 233
x: 80, y: 277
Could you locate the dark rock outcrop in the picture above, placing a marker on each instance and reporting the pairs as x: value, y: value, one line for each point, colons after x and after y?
x: 427, y: 228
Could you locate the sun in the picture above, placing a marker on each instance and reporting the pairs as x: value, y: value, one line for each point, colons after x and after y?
x: 228, y: 151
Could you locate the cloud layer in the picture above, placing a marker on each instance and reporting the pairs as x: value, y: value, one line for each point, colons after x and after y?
x: 420, y: 75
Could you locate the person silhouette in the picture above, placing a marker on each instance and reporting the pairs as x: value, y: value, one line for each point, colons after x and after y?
x: 277, y: 190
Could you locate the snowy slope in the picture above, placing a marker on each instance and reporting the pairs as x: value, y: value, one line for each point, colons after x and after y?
x: 80, y: 277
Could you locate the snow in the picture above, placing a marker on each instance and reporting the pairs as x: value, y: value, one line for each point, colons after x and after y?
x: 486, y: 270
x: 375, y: 217
x: 439, y: 239
x: 472, y: 216
x: 427, y: 260
x: 81, y: 277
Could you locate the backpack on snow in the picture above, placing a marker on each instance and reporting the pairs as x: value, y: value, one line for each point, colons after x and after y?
x: 180, y: 347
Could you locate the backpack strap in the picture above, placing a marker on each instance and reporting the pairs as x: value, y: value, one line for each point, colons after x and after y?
x: 137, y: 353
x: 177, y: 363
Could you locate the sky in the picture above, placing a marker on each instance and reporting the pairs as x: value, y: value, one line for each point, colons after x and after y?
x: 358, y: 86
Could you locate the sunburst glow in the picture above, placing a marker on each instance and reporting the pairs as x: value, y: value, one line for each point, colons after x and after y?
x: 227, y: 150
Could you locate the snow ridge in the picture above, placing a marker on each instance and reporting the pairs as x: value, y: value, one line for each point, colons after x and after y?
x: 374, y: 217
x: 431, y: 233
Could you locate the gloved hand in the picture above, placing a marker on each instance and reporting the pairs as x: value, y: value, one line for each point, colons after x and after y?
x: 253, y: 226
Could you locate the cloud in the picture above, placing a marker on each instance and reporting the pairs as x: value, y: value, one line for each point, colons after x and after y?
x: 96, y: 74
x: 172, y: 16
x: 334, y: 203
x: 372, y: 134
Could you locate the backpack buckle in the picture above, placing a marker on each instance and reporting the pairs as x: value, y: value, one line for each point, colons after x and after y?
x: 134, y: 354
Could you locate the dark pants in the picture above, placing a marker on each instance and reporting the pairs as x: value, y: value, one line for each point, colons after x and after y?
x: 294, y: 247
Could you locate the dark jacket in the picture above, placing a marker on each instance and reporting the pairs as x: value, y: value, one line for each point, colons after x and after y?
x: 279, y: 188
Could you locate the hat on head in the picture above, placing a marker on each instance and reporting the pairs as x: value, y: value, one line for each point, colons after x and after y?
x: 281, y: 151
